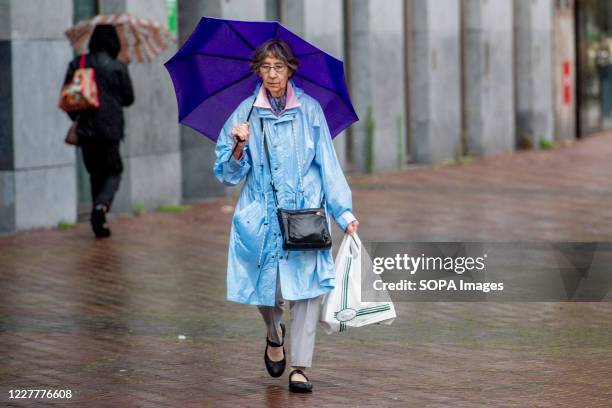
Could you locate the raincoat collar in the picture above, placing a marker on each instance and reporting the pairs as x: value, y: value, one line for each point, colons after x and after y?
x: 262, y: 102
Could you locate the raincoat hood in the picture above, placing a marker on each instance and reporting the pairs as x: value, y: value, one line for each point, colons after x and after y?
x: 293, y: 93
x: 105, y: 38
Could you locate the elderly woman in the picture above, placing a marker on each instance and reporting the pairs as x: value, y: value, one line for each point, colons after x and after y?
x: 304, y: 168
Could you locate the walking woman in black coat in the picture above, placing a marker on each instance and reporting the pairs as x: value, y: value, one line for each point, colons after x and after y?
x: 100, y: 130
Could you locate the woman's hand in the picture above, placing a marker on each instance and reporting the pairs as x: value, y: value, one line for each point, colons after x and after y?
x: 352, y: 227
x: 241, y: 133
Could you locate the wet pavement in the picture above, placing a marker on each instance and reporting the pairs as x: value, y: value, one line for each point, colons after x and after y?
x: 140, y: 320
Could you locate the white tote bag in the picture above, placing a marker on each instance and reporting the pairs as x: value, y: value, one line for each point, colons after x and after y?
x: 342, y: 307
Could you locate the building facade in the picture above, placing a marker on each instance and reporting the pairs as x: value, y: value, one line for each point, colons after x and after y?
x: 431, y: 80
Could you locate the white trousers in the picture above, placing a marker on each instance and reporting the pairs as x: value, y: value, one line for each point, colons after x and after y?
x: 304, y: 319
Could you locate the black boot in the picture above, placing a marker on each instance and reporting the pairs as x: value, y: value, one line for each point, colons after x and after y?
x: 98, y: 219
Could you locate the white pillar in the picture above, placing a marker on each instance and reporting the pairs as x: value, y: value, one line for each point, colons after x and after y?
x: 533, y: 71
x: 377, y: 72
x: 488, y: 76
x: 564, y: 61
x: 435, y: 88
x: 38, y: 186
x: 304, y: 19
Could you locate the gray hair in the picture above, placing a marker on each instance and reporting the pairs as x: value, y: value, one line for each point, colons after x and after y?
x: 277, y: 48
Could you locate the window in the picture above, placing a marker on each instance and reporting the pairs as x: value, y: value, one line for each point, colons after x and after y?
x: 273, y: 10
x: 84, y: 9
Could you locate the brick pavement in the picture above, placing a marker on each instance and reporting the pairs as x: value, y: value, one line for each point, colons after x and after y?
x: 102, y: 318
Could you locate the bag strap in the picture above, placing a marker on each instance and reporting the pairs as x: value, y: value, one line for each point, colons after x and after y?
x: 267, y: 154
x: 301, y: 185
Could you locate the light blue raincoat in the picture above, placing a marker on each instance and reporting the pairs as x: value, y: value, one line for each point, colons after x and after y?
x: 298, y: 139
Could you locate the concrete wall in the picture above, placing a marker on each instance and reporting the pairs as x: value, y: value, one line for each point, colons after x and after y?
x: 242, y: 9
x: 304, y: 19
x: 37, y: 170
x: 377, y: 73
x: 533, y: 71
x: 435, y: 89
x: 152, y: 155
x: 488, y: 76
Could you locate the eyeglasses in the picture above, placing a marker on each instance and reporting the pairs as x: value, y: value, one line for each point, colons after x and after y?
x: 279, y: 68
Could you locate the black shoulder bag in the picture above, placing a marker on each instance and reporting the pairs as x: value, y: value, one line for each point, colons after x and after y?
x: 301, y: 229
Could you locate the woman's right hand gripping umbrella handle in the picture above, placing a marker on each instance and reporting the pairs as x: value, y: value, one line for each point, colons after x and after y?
x: 241, y: 135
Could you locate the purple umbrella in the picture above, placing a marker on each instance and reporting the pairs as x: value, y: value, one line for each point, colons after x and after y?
x: 211, y: 74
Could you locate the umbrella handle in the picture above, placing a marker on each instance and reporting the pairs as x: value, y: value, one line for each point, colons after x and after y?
x: 251, y: 111
x: 247, y: 120
x: 233, y: 150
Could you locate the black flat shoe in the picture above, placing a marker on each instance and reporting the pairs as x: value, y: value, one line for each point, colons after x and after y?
x: 299, y: 386
x: 275, y: 368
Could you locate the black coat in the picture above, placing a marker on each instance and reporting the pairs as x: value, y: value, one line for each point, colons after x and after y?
x: 115, y: 91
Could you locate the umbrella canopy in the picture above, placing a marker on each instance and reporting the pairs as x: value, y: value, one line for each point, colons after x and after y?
x: 141, y: 39
x: 211, y: 74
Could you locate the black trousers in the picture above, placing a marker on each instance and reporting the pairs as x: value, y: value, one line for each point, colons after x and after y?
x: 104, y: 165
